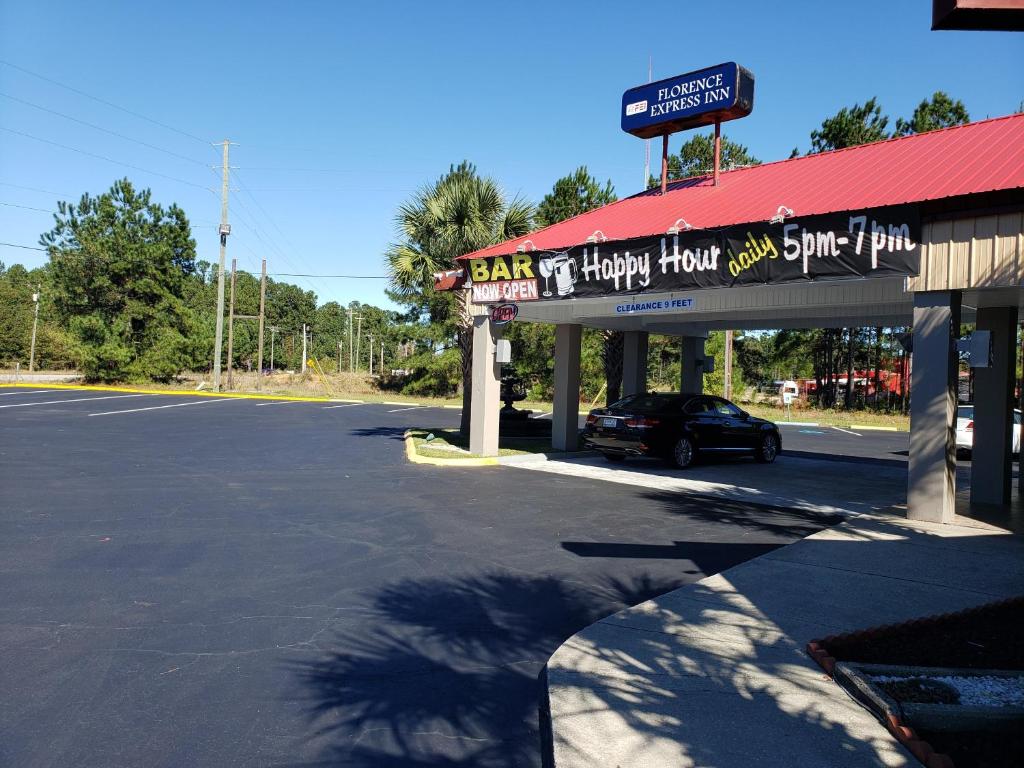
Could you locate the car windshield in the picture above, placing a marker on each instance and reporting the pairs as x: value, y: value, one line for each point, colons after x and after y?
x: 646, y: 402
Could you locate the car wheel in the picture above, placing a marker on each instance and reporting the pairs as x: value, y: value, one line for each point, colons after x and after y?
x: 684, y: 453
x: 768, y: 449
x: 615, y: 458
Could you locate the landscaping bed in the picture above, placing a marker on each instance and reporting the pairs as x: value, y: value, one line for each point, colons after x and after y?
x: 948, y: 647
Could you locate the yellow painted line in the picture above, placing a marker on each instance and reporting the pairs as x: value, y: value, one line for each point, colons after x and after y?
x: 395, y: 402
x: 456, y: 407
x: 879, y: 429
x: 179, y: 392
x: 415, y: 458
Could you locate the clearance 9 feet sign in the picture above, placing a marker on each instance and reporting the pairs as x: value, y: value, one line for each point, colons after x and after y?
x: 879, y: 242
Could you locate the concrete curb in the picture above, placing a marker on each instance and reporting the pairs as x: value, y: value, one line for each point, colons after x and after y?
x: 876, y: 429
x: 415, y: 458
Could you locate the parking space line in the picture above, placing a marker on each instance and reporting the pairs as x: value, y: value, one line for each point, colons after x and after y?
x: 76, y: 400
x: 346, y: 405
x: 281, y: 402
x: 541, y: 415
x: 413, y: 408
x: 858, y: 434
x: 29, y: 392
x: 158, y: 407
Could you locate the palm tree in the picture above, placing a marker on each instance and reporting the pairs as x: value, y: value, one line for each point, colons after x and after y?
x: 458, y: 214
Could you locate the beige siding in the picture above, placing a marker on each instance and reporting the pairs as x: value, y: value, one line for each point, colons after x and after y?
x: 981, y: 252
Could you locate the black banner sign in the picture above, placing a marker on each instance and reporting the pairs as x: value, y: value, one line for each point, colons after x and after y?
x: 881, y: 242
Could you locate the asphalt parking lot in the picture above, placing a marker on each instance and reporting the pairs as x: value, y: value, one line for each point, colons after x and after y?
x: 199, y: 581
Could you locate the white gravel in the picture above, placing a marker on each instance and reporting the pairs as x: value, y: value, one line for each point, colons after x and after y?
x: 976, y: 690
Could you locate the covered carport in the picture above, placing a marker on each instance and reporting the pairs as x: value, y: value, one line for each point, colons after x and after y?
x: 925, y: 230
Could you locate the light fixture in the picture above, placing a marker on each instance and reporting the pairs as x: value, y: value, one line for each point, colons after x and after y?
x: 522, y: 246
x: 781, y: 215
x: 597, y: 237
x: 681, y: 225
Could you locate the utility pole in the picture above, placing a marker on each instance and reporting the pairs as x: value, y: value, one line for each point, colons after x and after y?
x: 263, y: 303
x: 351, y: 365
x: 339, y: 357
x: 371, y: 354
x: 380, y: 372
x: 303, y: 347
x: 727, y: 394
x: 231, y: 325
x: 225, y: 230
x: 273, y: 331
x: 359, y: 337
x: 35, y: 322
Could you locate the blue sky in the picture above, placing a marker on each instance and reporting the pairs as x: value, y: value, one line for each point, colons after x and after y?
x: 341, y: 110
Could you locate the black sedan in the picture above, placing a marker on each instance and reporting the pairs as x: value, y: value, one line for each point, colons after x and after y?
x: 678, y: 428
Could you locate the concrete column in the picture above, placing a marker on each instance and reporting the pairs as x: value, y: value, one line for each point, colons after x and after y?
x: 993, y: 409
x: 691, y: 359
x: 634, y: 362
x: 931, y: 484
x: 565, y: 411
x: 483, y: 426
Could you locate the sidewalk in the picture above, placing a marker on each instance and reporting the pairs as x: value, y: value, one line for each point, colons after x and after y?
x: 715, y: 673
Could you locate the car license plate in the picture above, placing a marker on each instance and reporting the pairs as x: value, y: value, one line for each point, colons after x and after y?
x: 609, y: 422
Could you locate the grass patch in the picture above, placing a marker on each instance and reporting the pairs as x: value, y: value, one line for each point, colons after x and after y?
x: 830, y: 418
x: 452, y: 444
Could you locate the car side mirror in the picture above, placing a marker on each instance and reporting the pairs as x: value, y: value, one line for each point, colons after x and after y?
x: 744, y: 415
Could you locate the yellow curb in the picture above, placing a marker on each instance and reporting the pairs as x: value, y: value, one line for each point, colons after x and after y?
x: 392, y: 402
x: 178, y: 392
x: 415, y: 458
x: 879, y: 429
x: 456, y: 407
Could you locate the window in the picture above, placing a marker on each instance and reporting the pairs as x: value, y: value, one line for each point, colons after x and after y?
x: 697, y: 405
x: 725, y: 408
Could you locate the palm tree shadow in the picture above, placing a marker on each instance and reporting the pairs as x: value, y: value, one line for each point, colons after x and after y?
x: 452, y: 676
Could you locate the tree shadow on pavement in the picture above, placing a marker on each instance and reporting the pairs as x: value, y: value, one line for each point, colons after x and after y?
x: 450, y: 675
x: 785, y: 522
x: 393, y: 433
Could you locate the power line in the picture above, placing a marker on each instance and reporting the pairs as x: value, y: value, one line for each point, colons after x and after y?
x: 343, y: 277
x: 103, y: 157
x: 27, y: 207
x: 104, y: 101
x: 26, y: 247
x: 104, y: 130
x: 269, y: 218
x: 34, y: 189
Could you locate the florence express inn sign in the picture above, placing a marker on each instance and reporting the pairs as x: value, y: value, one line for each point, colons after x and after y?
x: 879, y: 242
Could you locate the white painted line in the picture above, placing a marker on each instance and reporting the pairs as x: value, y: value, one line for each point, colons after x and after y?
x: 541, y: 415
x: 29, y: 392
x: 281, y: 402
x: 413, y: 408
x: 76, y: 400
x: 172, y: 405
x: 858, y: 434
x: 390, y: 402
x: 798, y: 423
x: 347, y: 405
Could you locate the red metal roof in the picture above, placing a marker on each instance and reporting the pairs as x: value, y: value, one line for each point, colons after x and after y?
x: 973, y: 158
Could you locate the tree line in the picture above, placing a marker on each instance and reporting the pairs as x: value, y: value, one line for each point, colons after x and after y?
x: 123, y: 296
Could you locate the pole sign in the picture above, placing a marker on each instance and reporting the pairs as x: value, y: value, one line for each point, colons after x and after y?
x: 879, y: 242
x: 713, y: 95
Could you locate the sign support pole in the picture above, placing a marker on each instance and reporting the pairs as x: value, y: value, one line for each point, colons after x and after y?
x: 664, y: 163
x: 718, y: 149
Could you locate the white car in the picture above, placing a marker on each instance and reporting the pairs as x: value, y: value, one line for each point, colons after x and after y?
x: 965, y: 429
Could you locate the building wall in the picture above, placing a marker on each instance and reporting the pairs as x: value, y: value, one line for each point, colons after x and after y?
x: 973, y: 252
